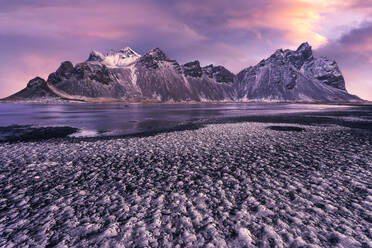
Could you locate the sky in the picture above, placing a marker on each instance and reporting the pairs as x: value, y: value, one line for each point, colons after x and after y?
x: 37, y: 35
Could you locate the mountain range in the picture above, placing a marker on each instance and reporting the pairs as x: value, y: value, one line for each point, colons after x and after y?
x: 124, y: 75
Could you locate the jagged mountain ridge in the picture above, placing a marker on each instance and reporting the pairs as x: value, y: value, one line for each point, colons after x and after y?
x: 292, y: 76
x: 126, y: 75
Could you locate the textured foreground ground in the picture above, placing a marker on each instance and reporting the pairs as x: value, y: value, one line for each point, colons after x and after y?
x: 224, y: 185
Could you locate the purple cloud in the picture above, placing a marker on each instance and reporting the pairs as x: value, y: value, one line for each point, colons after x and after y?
x: 353, y: 52
x: 36, y: 35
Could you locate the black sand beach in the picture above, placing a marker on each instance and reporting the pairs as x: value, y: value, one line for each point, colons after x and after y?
x: 288, y: 180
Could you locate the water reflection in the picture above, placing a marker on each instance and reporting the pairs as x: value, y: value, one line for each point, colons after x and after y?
x: 107, y: 119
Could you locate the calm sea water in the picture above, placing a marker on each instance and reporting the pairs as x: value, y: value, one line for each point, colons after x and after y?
x: 119, y: 118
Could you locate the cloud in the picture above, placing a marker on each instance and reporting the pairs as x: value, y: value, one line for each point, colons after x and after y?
x: 296, y: 20
x: 236, y: 33
x: 358, y: 40
x: 353, y: 52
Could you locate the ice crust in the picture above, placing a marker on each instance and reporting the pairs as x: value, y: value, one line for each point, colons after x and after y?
x: 224, y: 185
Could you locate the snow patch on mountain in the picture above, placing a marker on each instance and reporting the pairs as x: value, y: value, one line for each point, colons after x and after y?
x: 121, y: 58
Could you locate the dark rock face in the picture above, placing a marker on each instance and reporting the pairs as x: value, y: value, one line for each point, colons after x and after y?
x: 93, y: 72
x: 102, y: 76
x: 287, y: 75
x: 193, y: 69
x: 300, y: 56
x: 65, y: 71
x: 36, y: 82
x: 36, y: 88
x: 151, y: 58
x: 219, y: 73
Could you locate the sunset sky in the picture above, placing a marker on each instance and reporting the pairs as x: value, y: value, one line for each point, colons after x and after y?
x: 37, y: 35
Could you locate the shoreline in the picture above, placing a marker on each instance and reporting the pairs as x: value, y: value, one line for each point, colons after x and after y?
x: 326, y: 118
x: 109, y: 101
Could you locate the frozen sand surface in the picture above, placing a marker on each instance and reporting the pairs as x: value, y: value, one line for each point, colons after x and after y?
x: 224, y: 185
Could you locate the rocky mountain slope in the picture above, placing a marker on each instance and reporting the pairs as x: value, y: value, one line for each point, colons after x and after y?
x: 125, y: 75
x: 36, y: 88
x: 293, y: 76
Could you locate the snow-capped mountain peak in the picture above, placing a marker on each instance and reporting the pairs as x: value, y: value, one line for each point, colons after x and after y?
x: 123, y: 57
x: 115, y: 58
x: 129, y: 52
